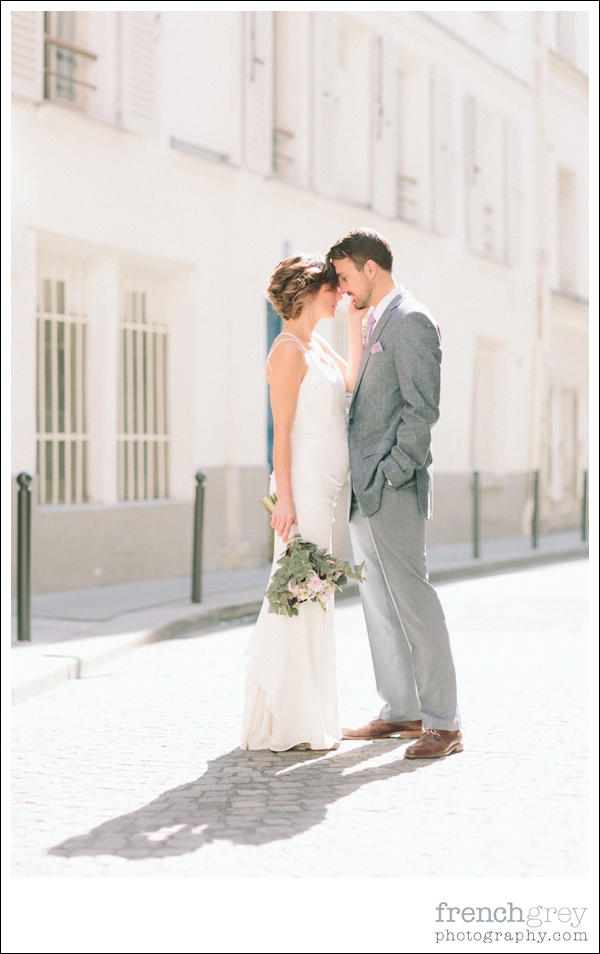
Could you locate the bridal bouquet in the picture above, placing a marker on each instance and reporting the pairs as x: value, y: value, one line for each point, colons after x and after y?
x: 306, y: 573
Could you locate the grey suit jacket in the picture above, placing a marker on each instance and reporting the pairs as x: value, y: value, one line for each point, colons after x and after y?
x: 395, y: 404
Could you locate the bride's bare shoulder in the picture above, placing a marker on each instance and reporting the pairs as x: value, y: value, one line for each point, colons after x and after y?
x: 286, y: 355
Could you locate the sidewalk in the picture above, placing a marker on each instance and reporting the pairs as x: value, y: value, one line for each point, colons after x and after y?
x: 75, y: 631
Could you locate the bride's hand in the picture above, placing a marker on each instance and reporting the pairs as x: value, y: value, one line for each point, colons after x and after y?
x: 352, y: 312
x: 284, y: 517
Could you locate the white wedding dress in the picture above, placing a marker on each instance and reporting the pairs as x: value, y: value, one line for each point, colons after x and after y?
x: 291, y: 692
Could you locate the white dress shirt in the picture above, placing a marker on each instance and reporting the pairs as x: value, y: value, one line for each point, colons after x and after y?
x: 380, y: 308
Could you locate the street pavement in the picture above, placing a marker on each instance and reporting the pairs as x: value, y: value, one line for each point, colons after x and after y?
x: 73, y: 632
x: 135, y: 772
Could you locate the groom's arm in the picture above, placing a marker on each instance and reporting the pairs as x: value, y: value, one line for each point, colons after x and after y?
x: 417, y: 357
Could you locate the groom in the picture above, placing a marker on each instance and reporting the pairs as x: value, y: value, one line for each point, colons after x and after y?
x: 394, y: 406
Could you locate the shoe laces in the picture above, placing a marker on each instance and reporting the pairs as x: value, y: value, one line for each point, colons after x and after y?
x: 432, y: 732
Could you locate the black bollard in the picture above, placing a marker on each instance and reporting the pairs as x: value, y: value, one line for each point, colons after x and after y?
x: 24, y: 557
x: 584, y: 506
x: 476, y: 527
x: 198, y: 528
x: 535, y: 516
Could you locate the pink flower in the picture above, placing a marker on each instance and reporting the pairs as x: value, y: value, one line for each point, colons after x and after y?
x: 294, y: 590
x: 317, y: 585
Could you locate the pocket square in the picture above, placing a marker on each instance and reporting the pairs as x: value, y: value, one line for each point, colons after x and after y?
x: 376, y: 347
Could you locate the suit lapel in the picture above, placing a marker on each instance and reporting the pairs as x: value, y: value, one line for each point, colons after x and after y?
x: 376, y: 334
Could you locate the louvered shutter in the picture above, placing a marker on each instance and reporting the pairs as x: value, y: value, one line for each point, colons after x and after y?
x: 513, y: 195
x: 385, y: 134
x: 442, y: 150
x: 326, y: 41
x: 258, y: 91
x: 27, y: 55
x: 138, y: 70
x: 474, y: 173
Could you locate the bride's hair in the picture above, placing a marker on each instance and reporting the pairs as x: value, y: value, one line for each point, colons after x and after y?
x: 297, y: 278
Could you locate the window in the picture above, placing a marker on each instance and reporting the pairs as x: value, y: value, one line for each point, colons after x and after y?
x: 285, y: 88
x: 326, y: 118
x: 65, y: 59
x: 493, y: 184
x: 384, y: 124
x: 413, y: 142
x: 143, y: 441
x: 61, y: 384
x: 258, y: 91
x: 442, y: 149
x: 27, y: 53
x: 355, y: 112
x: 407, y: 203
x: 486, y: 189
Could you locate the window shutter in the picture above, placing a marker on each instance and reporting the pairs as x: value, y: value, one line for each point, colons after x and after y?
x: 513, y: 195
x: 474, y: 173
x: 258, y: 91
x: 385, y: 135
x: 27, y: 55
x: 138, y: 71
x: 442, y: 150
x: 325, y: 60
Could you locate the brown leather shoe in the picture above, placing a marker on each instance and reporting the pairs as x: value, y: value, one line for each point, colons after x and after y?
x: 378, y: 729
x: 435, y: 744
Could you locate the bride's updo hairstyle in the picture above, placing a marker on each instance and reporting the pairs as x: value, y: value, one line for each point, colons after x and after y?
x: 297, y: 279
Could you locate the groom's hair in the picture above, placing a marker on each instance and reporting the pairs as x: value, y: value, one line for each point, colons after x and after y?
x: 361, y: 246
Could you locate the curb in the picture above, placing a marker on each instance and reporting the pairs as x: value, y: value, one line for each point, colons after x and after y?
x: 60, y: 667
x: 482, y: 567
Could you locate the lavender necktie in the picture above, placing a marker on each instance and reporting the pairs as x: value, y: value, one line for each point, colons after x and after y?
x: 370, y: 324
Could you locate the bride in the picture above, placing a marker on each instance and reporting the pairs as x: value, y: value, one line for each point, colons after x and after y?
x: 291, y: 696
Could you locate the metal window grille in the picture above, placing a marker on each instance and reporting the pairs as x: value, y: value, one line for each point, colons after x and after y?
x: 65, y: 59
x: 143, y: 441
x: 61, y: 339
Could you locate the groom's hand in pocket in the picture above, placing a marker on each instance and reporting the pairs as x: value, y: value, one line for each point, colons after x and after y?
x: 284, y: 517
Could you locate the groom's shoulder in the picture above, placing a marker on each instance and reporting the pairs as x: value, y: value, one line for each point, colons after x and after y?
x: 407, y: 304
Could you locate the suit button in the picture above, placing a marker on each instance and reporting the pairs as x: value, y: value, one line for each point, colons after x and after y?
x: 351, y: 421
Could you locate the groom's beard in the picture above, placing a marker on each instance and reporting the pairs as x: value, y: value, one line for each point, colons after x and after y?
x: 365, y: 299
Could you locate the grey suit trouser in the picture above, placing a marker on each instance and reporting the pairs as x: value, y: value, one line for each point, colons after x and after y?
x: 407, y: 630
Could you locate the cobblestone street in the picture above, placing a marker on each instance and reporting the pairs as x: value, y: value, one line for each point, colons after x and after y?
x: 135, y: 771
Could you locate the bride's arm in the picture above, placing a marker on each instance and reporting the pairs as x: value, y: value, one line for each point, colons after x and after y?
x: 355, y: 343
x: 356, y: 346
x: 288, y: 366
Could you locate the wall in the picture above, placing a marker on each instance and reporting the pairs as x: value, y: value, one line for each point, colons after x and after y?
x: 187, y: 196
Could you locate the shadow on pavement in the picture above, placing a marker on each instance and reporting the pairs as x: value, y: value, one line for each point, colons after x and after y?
x: 248, y: 798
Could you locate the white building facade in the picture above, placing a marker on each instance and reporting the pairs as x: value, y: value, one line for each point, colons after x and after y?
x: 164, y: 163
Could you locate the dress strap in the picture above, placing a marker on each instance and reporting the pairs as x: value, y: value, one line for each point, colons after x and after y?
x: 284, y: 336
